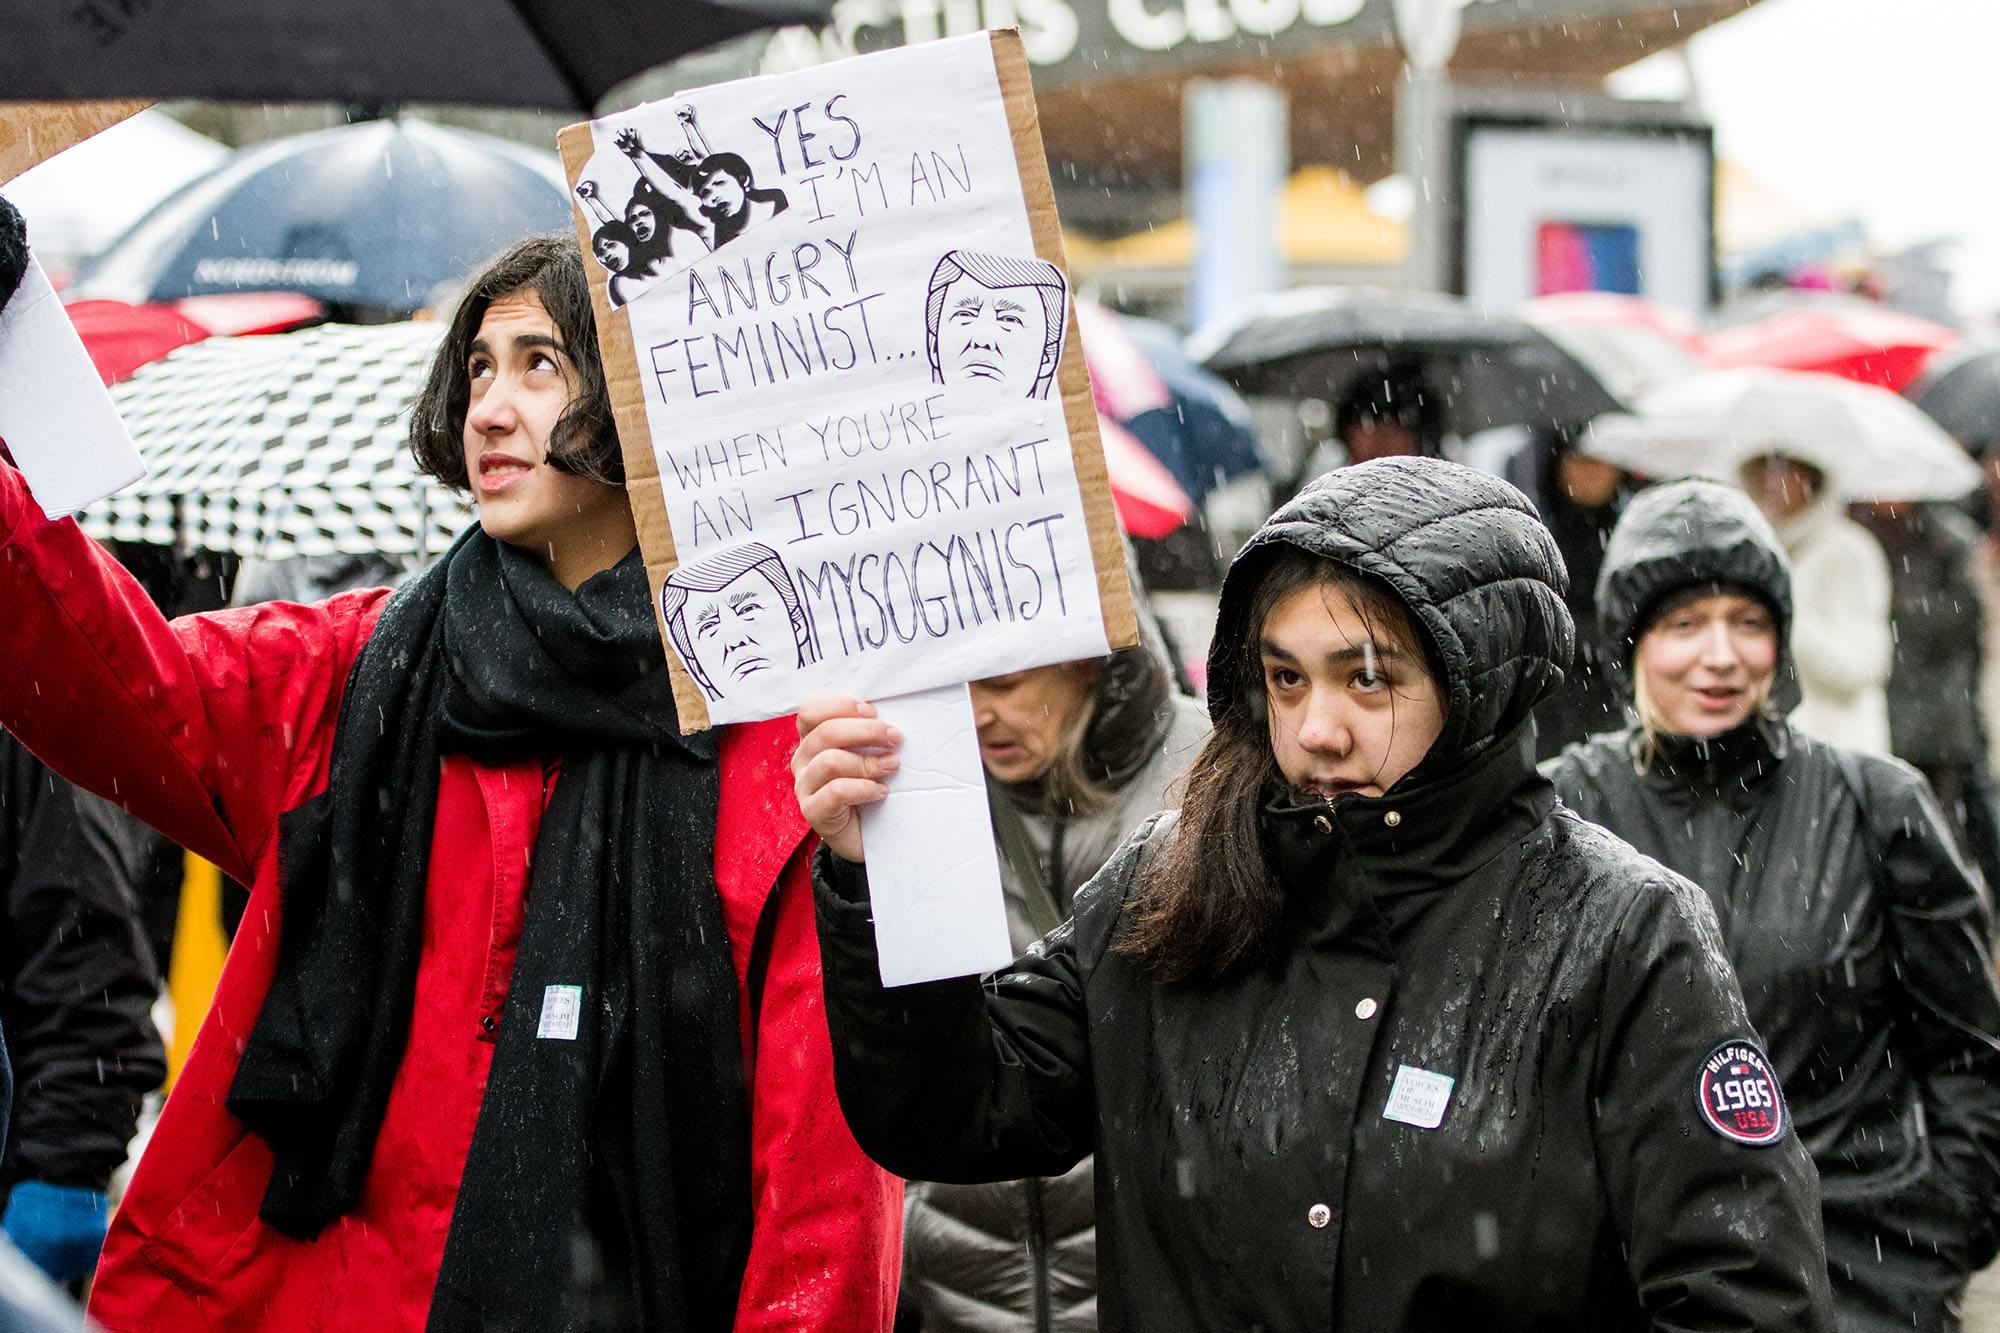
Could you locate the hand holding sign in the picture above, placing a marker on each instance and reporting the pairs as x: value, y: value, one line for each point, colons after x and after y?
x: 846, y: 753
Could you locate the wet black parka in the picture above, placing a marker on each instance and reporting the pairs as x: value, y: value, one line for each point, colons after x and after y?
x: 1856, y: 930
x: 77, y: 983
x: 1247, y: 1176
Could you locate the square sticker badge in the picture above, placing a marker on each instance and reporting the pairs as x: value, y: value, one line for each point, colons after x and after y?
x: 562, y: 1013
x: 1418, y: 1097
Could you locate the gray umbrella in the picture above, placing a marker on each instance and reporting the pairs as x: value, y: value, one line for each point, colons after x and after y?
x: 1481, y: 370
x: 292, y: 444
x: 1960, y: 390
x: 382, y: 215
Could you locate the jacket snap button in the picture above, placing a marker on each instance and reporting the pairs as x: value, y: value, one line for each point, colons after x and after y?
x: 1393, y: 818
x: 1319, y: 1215
x: 1322, y: 823
x: 1365, y: 1010
x: 488, y: 1023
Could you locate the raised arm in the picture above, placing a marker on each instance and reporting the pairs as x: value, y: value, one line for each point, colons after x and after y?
x: 593, y: 200
x: 697, y: 141
x: 674, y: 186
x: 958, y: 1081
x: 205, y: 728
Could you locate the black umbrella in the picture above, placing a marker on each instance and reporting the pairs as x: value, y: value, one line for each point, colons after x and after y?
x: 1960, y: 390
x: 375, y: 215
x: 1477, y: 370
x: 560, y: 54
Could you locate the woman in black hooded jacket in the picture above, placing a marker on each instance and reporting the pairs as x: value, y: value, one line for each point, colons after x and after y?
x: 1375, y: 1036
x: 1857, y: 931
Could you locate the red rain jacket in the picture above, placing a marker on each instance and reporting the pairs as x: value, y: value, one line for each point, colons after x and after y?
x: 209, y: 727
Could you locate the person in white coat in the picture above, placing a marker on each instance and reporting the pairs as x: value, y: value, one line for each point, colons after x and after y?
x: 1841, y: 594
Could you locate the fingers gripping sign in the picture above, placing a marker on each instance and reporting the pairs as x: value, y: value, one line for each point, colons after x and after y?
x: 846, y: 754
x: 904, y: 776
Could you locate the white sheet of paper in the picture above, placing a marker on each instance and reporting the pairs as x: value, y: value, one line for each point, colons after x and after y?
x: 55, y: 415
x: 933, y: 870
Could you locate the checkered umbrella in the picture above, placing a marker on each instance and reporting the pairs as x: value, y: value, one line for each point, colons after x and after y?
x: 283, y: 445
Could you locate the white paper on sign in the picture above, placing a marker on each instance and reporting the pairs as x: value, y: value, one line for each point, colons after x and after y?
x: 848, y: 353
x: 57, y: 419
x: 933, y: 871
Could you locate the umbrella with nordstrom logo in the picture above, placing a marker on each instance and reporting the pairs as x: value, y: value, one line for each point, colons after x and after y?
x: 375, y: 217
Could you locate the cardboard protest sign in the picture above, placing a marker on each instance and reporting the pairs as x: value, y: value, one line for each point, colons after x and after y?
x: 33, y: 132
x: 858, y: 431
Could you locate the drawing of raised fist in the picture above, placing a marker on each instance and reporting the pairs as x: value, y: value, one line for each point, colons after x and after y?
x: 685, y: 114
x: 586, y: 189
x: 627, y: 142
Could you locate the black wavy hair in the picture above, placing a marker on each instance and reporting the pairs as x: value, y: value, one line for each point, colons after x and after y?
x: 584, y: 441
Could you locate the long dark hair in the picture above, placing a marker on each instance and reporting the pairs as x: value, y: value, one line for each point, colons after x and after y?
x: 584, y: 440
x: 1208, y: 902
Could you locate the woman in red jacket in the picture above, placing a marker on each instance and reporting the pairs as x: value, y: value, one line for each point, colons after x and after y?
x: 506, y: 1039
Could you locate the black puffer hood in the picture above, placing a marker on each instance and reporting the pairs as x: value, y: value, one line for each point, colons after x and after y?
x: 1461, y: 549
x: 13, y: 251
x: 1674, y: 538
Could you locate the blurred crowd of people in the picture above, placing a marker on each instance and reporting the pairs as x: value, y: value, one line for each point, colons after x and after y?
x: 1893, y: 602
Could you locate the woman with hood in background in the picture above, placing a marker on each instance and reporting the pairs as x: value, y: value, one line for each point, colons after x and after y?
x: 1077, y: 756
x: 1840, y: 640
x: 1856, y: 930
x: 1373, y: 1036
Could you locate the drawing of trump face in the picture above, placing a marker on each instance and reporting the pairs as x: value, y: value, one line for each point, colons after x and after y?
x: 735, y: 618
x: 995, y: 323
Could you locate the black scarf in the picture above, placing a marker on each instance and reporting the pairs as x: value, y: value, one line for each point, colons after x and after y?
x: 634, y: 1135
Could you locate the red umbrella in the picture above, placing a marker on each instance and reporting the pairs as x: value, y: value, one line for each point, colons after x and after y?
x: 121, y: 338
x: 1872, y: 344
x: 238, y: 313
x: 1123, y: 382
x: 1149, y: 501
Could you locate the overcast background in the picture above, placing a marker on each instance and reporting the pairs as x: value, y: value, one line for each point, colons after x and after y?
x: 1882, y: 110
